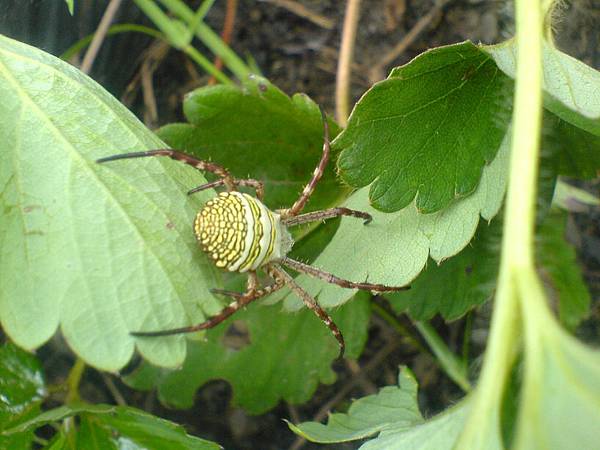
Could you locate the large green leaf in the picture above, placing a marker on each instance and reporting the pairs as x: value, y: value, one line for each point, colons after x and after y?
x: 571, y: 88
x: 100, y: 250
x: 394, y: 248
x: 257, y: 131
x: 428, y: 130
x: 560, y: 404
x: 282, y: 357
x: 21, y: 393
x: 391, y: 408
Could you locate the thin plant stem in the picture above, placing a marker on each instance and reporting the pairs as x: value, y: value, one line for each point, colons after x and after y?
x: 114, y: 29
x: 344, y: 69
x: 448, y: 361
x: 179, y: 37
x: 73, y: 381
x: 209, y: 38
x: 107, y: 19
x: 397, y: 326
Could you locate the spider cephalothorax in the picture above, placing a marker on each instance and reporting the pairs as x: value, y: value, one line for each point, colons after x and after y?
x: 240, y: 234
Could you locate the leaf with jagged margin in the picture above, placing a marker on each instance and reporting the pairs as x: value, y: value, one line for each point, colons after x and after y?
x: 571, y: 88
x: 257, y: 131
x: 394, y: 414
x: 458, y: 284
x: 428, y: 130
x: 393, y: 407
x: 22, y: 390
x: 107, y: 427
x: 286, y: 358
x: 394, y: 247
x: 100, y: 250
x: 558, y: 266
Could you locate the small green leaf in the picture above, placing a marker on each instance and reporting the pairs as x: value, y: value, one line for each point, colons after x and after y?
x: 137, y: 429
x: 284, y: 357
x: 560, y: 269
x: 392, y: 407
x: 21, y: 393
x: 100, y: 250
x: 571, y: 88
x: 428, y: 130
x: 438, y: 433
x: 257, y: 131
x: 394, y: 248
x: 106, y: 426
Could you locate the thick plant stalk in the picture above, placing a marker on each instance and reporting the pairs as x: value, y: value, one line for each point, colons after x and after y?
x: 483, y: 423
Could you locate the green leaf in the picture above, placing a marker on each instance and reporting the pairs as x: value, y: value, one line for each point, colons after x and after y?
x: 257, y: 131
x: 559, y: 268
x: 458, y: 284
x: 560, y: 403
x: 21, y: 393
x: 106, y: 426
x: 571, y: 88
x: 391, y: 408
x: 394, y: 248
x: 137, y: 429
x: 575, y: 152
x: 428, y: 130
x: 286, y: 357
x: 100, y: 250
x: 439, y: 433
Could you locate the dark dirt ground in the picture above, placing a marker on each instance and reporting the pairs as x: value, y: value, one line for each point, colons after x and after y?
x: 298, y: 55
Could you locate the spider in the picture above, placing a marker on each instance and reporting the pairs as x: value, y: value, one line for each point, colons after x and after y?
x: 240, y: 234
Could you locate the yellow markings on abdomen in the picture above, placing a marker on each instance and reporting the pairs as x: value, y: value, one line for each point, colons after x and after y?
x: 236, y: 231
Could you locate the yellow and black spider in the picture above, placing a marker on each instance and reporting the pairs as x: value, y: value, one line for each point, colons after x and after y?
x: 240, y: 234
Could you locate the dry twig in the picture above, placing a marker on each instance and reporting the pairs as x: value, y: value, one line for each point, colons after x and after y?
x: 99, y: 36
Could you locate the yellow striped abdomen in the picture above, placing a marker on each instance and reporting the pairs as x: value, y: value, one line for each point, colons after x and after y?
x: 239, y: 233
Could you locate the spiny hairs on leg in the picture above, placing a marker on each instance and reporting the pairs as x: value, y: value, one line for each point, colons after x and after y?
x: 310, y: 302
x: 326, y: 214
x: 298, y: 206
x: 199, y: 164
x: 330, y: 278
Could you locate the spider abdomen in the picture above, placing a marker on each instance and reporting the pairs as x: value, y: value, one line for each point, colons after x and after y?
x: 239, y: 233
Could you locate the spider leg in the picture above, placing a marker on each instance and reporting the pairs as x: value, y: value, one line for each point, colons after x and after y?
x: 298, y: 206
x: 311, y: 303
x: 257, y: 185
x: 326, y: 214
x: 330, y: 278
x: 241, y: 300
x: 199, y: 164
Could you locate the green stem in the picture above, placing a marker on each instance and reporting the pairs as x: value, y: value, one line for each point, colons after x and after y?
x: 203, y: 62
x: 114, y: 29
x: 397, y: 326
x: 179, y: 37
x: 73, y: 381
x: 447, y: 360
x: 209, y: 38
x: 483, y: 423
